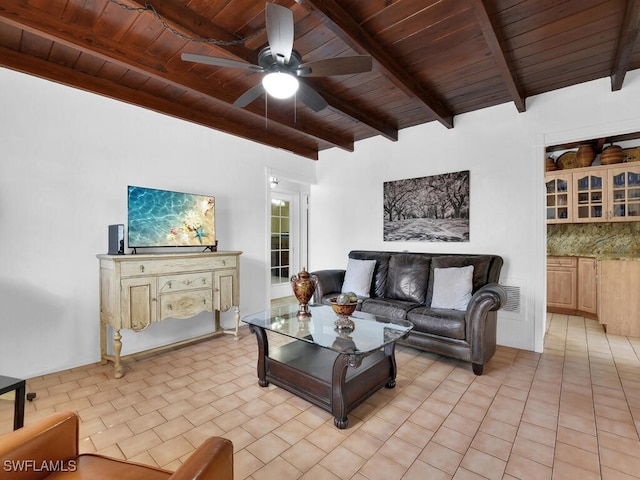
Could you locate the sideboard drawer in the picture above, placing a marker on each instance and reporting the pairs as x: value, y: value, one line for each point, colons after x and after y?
x: 178, y: 265
x: 185, y: 304
x: 188, y: 281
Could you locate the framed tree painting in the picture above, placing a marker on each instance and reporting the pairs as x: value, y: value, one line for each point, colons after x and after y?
x: 427, y: 209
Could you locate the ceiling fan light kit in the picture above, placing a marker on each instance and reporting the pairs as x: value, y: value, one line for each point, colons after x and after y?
x: 280, y: 85
x: 282, y: 65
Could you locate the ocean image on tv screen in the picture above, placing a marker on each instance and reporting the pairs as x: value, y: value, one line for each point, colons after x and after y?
x: 161, y: 218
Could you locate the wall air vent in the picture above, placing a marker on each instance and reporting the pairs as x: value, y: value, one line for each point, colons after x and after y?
x: 513, y: 298
x: 515, y: 306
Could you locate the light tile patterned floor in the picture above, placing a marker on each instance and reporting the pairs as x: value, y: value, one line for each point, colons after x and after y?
x: 571, y: 412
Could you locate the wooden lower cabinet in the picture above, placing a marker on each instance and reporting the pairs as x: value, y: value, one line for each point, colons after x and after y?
x: 619, y: 302
x: 572, y: 286
x: 606, y: 290
x: 588, y: 285
x: 562, y: 280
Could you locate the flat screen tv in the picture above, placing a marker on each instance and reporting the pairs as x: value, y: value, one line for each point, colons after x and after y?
x: 162, y: 218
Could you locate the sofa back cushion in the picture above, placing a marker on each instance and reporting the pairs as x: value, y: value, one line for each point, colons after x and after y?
x: 408, y: 277
x: 379, y: 283
x: 481, y: 264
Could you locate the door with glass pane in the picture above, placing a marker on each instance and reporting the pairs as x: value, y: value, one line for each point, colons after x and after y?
x: 283, y: 243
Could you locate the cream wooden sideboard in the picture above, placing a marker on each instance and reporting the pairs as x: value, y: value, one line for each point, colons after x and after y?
x: 137, y: 290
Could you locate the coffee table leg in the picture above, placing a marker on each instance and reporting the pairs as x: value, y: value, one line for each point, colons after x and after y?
x: 389, y: 351
x: 338, y: 400
x: 263, y: 353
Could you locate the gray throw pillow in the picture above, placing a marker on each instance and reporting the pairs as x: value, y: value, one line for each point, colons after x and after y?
x: 357, y: 278
x: 452, y: 287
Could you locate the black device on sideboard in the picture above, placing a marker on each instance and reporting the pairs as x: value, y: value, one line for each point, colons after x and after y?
x: 116, y: 239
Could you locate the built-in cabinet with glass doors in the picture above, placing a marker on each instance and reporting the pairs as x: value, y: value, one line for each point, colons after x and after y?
x: 608, y: 193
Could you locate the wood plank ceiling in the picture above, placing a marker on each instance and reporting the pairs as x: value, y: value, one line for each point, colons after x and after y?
x: 432, y: 59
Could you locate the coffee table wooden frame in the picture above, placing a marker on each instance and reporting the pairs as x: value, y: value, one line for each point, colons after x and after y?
x: 335, y: 382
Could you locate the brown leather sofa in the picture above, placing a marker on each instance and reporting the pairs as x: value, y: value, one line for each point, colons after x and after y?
x: 402, y: 287
x: 48, y: 448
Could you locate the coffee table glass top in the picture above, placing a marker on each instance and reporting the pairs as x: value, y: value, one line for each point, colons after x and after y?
x: 370, y: 333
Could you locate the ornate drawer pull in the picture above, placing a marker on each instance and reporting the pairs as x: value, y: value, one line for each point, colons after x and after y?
x: 142, y: 268
x: 138, y: 327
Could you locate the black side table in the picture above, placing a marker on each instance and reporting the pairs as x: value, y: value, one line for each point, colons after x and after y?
x: 8, y: 384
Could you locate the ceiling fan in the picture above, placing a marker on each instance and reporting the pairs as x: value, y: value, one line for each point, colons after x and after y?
x: 282, y: 64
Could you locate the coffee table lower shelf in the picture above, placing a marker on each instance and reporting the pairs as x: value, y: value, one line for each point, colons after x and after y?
x: 335, y: 382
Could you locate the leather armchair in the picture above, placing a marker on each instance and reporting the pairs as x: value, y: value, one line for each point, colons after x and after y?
x: 48, y: 448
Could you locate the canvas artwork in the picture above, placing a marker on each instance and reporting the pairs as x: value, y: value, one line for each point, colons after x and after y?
x: 427, y: 209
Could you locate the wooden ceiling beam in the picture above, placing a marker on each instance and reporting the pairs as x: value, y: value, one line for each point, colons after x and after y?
x: 192, y: 25
x: 338, y: 20
x: 626, y: 43
x: 77, y: 37
x: 345, y: 108
x: 73, y: 78
x: 490, y: 31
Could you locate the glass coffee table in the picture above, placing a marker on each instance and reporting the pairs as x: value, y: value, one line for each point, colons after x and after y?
x: 334, y: 369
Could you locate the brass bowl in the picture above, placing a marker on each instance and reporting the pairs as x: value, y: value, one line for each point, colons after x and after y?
x: 343, y: 310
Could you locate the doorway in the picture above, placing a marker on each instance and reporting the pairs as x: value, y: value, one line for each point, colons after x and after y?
x: 288, y: 236
x: 284, y: 242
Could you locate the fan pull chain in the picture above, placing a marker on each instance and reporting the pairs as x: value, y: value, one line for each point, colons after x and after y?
x: 266, y: 113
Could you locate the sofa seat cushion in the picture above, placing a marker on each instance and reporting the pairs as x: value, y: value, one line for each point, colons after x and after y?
x: 440, y: 322
x: 388, y: 308
x: 407, y: 278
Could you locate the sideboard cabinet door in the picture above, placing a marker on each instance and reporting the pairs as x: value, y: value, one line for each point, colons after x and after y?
x: 139, y: 302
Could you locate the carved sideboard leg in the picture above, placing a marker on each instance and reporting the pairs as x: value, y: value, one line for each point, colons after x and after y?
x: 117, y: 348
x: 103, y: 343
x: 237, y: 319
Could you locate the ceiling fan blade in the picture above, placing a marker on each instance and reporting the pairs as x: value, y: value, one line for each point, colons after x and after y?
x: 311, y: 98
x: 336, y: 66
x: 279, y: 22
x: 249, y: 96
x: 220, y: 62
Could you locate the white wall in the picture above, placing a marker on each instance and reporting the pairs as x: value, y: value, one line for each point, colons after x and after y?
x: 66, y: 158
x: 504, y: 151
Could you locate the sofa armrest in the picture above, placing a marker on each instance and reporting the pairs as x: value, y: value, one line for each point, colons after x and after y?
x: 50, y: 439
x: 482, y: 323
x: 491, y: 296
x: 329, y: 281
x: 213, y: 459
